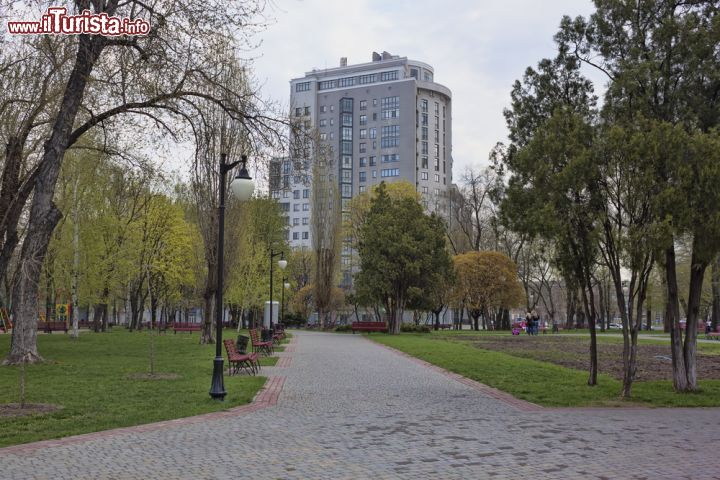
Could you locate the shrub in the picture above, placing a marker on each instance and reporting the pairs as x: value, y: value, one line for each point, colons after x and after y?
x: 410, y: 328
x: 343, y: 328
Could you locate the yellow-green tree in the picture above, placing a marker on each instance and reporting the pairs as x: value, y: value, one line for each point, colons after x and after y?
x: 486, y: 282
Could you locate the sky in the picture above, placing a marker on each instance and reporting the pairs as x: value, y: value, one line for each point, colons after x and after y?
x: 478, y: 48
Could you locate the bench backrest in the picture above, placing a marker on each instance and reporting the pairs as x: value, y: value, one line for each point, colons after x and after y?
x: 369, y: 324
x: 254, y: 335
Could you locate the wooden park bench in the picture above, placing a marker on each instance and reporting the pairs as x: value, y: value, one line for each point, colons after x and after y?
x: 237, y: 360
x: 369, y: 327
x: 49, y: 327
x: 258, y: 345
x: 186, y: 327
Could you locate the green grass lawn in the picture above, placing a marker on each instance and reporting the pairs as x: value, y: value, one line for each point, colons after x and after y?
x: 89, y: 378
x: 541, y: 382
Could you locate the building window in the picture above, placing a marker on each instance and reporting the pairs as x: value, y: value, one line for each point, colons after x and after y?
x: 374, y: 102
x: 437, y: 136
x: 363, y: 79
x: 307, y: 111
x: 390, y: 136
x: 323, y: 136
x: 391, y: 158
x: 296, y: 207
x: 414, y: 73
x: 322, y: 122
x: 424, y: 119
x: 346, y: 82
x: 424, y: 146
x: 332, y: 122
x: 363, y: 176
x: 346, y: 161
x: 424, y: 135
x: 326, y: 84
x: 424, y: 106
x: 388, y: 76
x: 373, y: 133
x: 285, y: 207
x: 298, y: 112
x: 305, y: 220
x: 347, y: 175
x: 346, y: 190
x: 372, y: 161
x: 346, y: 148
x: 390, y: 172
x: 363, y: 133
x: 346, y: 105
x: 363, y: 161
x: 306, y: 207
x: 363, y: 119
x: 374, y: 173
x: 296, y: 194
x: 374, y: 117
x: 437, y: 164
x: 437, y: 178
x: 306, y: 235
x: 347, y: 133
x: 424, y: 163
x: 362, y: 188
x: 302, y: 87
x: 424, y: 189
x: 306, y: 193
x: 423, y: 175
x: 295, y: 236
x: 346, y: 120
x: 296, y: 221
x: 390, y: 107
x: 323, y: 109
x: 363, y: 148
x: 332, y: 135
x: 427, y: 76
x: 363, y: 104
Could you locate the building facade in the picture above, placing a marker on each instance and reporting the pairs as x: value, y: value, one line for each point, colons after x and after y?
x: 385, y: 120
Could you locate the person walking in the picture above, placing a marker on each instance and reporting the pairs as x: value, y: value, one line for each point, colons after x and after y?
x: 528, y: 323
x: 535, y: 320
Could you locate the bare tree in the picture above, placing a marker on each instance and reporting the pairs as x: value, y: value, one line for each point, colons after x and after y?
x: 326, y: 227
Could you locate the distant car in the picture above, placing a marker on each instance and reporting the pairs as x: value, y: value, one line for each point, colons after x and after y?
x: 615, y: 325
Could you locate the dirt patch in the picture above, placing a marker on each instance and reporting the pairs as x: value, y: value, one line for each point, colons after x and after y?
x: 153, y: 376
x: 14, y: 410
x: 654, y: 361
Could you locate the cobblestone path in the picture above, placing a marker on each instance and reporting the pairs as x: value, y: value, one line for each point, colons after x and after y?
x: 344, y: 407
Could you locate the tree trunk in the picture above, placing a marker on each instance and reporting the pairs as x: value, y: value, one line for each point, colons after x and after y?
x: 715, y: 293
x: 206, y: 337
x: 672, y: 315
x: 44, y: 215
x: 75, y: 332
x: 697, y: 274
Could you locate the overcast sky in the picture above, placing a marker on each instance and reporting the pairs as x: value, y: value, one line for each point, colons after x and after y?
x: 477, y: 47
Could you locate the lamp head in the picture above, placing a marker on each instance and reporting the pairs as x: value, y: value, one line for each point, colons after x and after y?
x: 242, y: 185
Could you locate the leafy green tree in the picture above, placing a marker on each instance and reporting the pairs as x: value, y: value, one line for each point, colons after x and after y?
x: 398, y: 246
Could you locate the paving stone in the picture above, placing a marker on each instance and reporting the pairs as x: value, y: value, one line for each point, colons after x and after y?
x: 346, y: 408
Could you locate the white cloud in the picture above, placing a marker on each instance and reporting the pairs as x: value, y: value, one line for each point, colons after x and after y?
x: 478, y: 48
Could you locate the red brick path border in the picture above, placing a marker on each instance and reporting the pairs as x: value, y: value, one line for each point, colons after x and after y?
x: 503, y: 397
x: 266, y: 397
x: 284, y: 362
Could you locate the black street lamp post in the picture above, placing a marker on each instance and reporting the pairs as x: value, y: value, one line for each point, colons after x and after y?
x: 242, y: 187
x: 282, y: 263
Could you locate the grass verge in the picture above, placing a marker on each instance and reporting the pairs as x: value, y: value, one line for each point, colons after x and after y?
x: 91, y: 378
x: 541, y: 382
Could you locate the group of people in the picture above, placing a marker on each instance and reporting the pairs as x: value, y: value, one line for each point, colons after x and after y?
x: 532, y: 323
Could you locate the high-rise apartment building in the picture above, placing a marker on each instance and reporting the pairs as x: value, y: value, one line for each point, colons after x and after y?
x: 384, y: 120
